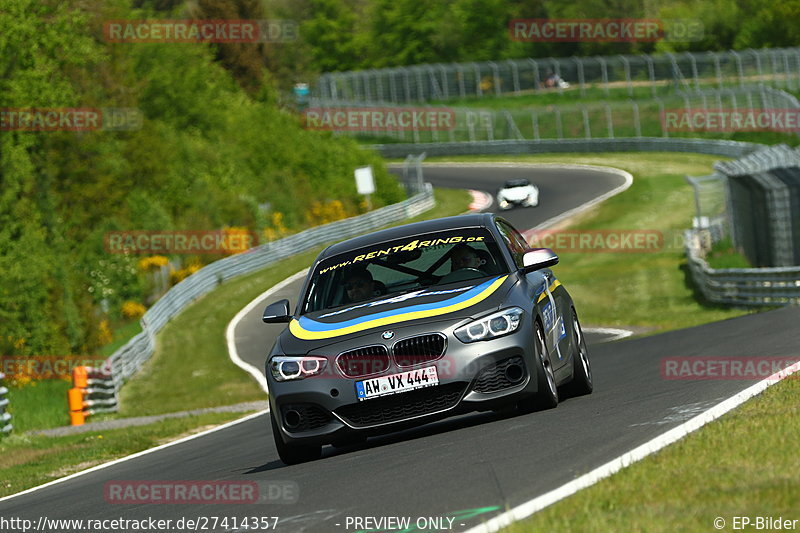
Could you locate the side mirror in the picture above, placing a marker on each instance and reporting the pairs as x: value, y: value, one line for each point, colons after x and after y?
x: 538, y: 258
x: 277, y: 313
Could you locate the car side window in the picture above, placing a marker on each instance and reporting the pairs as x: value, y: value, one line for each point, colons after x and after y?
x: 515, y: 243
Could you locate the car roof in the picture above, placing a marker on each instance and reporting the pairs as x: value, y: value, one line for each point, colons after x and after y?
x: 409, y: 230
x: 517, y: 181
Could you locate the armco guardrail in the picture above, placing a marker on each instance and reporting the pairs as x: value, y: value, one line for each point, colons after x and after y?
x: 93, y: 391
x: 643, y: 144
x: 740, y: 286
x: 128, y: 359
x: 5, y: 418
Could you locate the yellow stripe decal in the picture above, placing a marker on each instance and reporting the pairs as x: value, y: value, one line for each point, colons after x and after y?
x: 551, y: 288
x: 301, y: 333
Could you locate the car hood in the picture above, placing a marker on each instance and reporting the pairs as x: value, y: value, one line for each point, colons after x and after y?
x: 451, y: 303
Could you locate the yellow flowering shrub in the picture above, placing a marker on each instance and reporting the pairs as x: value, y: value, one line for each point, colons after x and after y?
x: 104, y: 333
x: 149, y: 264
x: 131, y: 309
x: 276, y: 229
x: 323, y: 213
x: 176, y: 276
x: 237, y: 240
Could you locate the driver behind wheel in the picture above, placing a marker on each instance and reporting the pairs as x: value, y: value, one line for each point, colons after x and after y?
x: 359, y: 285
x: 465, y: 256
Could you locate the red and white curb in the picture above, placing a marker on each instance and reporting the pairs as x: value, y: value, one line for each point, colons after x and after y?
x: 480, y: 200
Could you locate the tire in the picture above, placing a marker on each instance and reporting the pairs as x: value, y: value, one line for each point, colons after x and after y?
x: 582, y: 382
x: 547, y: 395
x: 292, y: 454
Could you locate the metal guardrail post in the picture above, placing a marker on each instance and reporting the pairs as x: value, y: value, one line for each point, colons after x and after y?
x: 581, y: 77
x: 5, y: 417
x: 604, y: 73
x: 93, y: 391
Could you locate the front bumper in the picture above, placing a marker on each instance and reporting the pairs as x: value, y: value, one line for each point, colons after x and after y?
x: 505, y: 203
x: 472, y: 377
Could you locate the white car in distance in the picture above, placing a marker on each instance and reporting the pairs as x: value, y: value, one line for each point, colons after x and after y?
x: 517, y: 192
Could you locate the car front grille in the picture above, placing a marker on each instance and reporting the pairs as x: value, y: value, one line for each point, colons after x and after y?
x: 364, y: 361
x: 402, y: 406
x: 311, y: 416
x: 494, y: 378
x: 419, y: 349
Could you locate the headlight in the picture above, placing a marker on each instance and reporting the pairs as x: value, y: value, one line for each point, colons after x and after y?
x: 492, y: 326
x: 288, y: 367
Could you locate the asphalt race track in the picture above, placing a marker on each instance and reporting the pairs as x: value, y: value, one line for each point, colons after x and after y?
x: 467, y: 468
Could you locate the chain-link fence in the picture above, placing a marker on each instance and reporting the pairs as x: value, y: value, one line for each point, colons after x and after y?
x: 666, y: 116
x: 711, y: 206
x: 634, y: 74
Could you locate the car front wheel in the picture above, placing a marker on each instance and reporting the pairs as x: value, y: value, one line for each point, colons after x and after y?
x: 547, y: 395
x: 582, y: 371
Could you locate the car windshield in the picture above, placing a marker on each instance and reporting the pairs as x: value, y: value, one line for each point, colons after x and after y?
x: 510, y: 184
x: 402, y: 265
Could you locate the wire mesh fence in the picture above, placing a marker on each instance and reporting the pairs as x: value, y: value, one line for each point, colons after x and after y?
x: 779, y: 68
x: 674, y: 115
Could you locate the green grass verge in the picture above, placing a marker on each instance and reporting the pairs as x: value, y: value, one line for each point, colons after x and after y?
x: 29, y: 460
x: 43, y: 404
x: 39, y: 405
x: 743, y: 464
x: 650, y: 290
x: 724, y: 255
x: 122, y: 334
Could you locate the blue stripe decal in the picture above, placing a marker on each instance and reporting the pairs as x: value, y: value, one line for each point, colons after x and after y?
x: 313, y: 325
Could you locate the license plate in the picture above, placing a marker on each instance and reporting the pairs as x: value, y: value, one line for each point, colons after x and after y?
x: 402, y: 382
